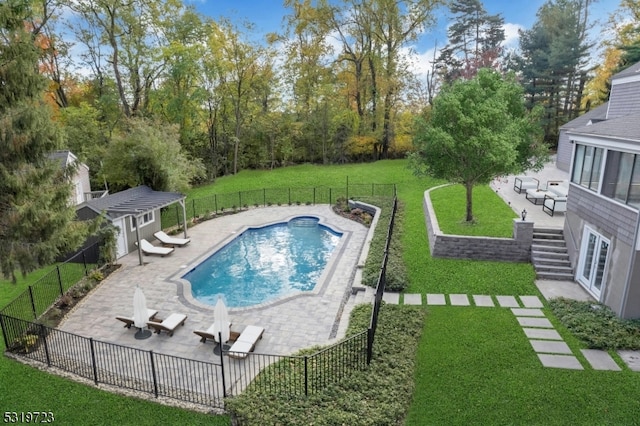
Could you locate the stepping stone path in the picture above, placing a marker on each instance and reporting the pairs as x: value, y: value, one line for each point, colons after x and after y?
x: 552, y: 351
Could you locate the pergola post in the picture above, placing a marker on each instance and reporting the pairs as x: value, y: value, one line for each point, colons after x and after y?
x: 184, y: 217
x: 137, y: 216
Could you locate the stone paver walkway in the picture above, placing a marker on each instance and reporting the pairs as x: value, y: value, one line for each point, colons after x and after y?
x: 545, y: 341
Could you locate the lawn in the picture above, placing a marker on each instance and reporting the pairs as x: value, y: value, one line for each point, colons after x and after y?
x: 474, y: 365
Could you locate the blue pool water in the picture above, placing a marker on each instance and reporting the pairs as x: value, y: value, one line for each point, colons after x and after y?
x: 265, y: 263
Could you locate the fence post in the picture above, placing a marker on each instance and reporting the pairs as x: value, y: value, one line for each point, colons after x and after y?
x: 43, y: 335
x: 60, y: 280
x: 239, y: 200
x: 306, y: 376
x: 314, y: 195
x: 4, y: 330
x: 84, y: 262
x: 264, y: 197
x: 153, y: 374
x: 33, y: 304
x: 93, y: 361
x: 215, y: 203
x: 369, y: 345
x: 224, y: 383
x: 289, y: 195
x: 347, y: 188
x: 330, y: 201
x: 193, y: 207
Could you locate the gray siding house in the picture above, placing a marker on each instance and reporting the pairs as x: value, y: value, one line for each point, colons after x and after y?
x: 135, y: 212
x: 602, y: 221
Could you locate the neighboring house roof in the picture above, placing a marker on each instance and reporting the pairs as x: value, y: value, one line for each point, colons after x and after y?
x: 133, y: 201
x: 627, y: 128
x: 597, y: 114
x: 65, y: 158
x: 632, y: 70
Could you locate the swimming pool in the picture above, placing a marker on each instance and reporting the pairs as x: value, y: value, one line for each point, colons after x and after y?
x: 265, y: 263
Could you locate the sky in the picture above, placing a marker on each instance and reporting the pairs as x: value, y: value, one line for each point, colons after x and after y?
x: 267, y: 16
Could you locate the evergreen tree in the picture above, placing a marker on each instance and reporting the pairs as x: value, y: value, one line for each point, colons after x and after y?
x: 475, y: 39
x: 36, y: 220
x: 553, y: 62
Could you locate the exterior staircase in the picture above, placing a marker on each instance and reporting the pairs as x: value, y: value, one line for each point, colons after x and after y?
x: 549, y: 255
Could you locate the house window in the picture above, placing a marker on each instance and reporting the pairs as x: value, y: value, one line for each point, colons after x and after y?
x: 587, y: 165
x: 622, y: 177
x: 145, y: 219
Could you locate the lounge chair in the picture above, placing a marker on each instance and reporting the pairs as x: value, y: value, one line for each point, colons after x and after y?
x: 246, y: 342
x: 167, y: 240
x: 148, y: 248
x: 169, y: 324
x: 128, y: 321
x: 208, y: 334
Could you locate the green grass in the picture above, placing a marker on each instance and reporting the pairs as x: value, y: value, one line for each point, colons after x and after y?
x: 491, y: 217
x: 476, y: 366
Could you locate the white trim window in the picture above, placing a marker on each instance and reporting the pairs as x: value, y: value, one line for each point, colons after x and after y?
x: 145, y: 219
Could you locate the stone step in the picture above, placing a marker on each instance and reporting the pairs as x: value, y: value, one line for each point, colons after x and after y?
x: 548, y: 248
x: 551, y: 261
x: 558, y: 255
x: 548, y: 242
x: 556, y: 231
x: 553, y: 268
x: 557, y: 276
x: 545, y: 236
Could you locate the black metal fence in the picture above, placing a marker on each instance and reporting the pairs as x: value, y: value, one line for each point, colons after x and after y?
x: 221, y: 203
x: 162, y: 375
x: 39, y: 296
x: 381, y: 284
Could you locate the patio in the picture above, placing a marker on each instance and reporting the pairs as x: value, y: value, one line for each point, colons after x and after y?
x: 290, y: 323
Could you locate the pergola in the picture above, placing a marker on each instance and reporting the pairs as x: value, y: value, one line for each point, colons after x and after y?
x: 137, y: 202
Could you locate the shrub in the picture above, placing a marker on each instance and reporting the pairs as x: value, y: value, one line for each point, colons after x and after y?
x: 596, y: 324
x: 96, y: 275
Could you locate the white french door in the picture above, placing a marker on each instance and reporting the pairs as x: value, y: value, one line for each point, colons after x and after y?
x: 593, y: 261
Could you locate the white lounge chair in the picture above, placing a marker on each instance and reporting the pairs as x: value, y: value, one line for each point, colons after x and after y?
x: 128, y: 321
x: 149, y: 248
x: 169, y: 324
x: 168, y: 240
x: 246, y: 342
x: 209, y: 334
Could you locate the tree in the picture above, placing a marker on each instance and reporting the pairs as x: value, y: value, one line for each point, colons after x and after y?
x: 475, y: 39
x: 149, y: 153
x: 554, y: 60
x: 478, y: 129
x: 36, y: 219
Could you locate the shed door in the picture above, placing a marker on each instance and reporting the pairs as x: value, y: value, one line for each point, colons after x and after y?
x: 121, y: 245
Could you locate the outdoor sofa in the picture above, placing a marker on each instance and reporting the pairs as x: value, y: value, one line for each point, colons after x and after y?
x: 522, y: 183
x: 555, y: 199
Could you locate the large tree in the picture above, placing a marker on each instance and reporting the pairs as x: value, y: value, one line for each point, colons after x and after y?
x: 554, y: 61
x: 478, y: 129
x: 36, y: 218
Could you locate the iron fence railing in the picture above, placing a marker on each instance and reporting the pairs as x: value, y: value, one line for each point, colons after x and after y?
x: 234, y: 201
x: 381, y: 284
x: 39, y: 296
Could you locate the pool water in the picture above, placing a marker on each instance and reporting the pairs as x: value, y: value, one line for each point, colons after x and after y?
x: 262, y: 264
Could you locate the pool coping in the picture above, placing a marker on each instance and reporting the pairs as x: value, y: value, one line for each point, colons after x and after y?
x: 184, y: 286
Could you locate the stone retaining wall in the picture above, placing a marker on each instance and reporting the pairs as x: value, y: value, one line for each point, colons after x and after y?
x: 516, y: 249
